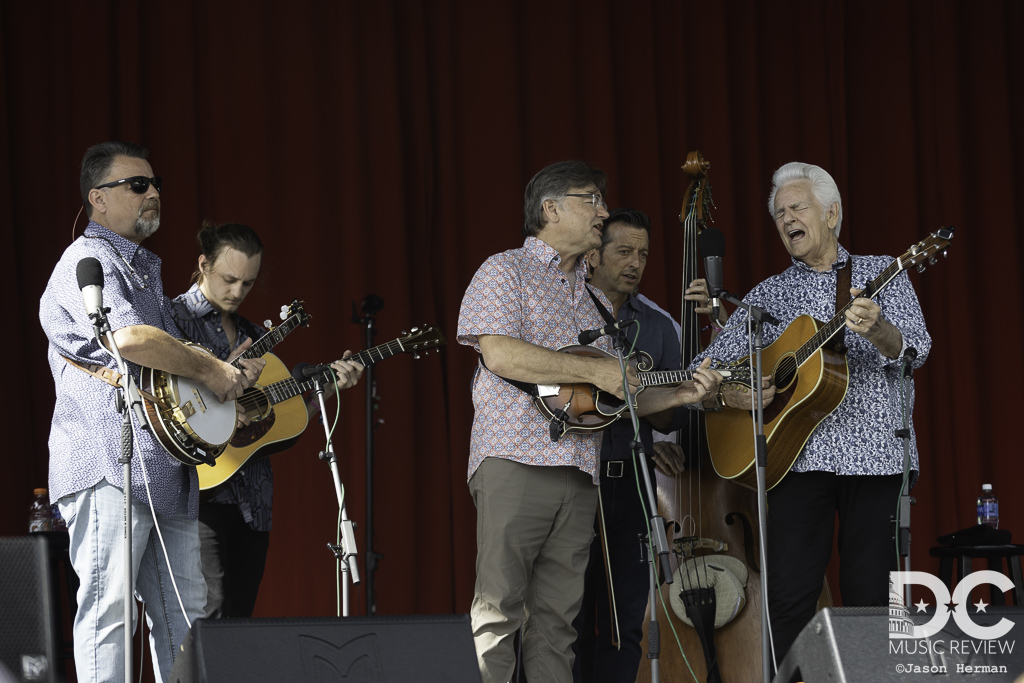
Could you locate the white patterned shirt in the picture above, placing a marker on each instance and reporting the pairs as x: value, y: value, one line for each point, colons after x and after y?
x: 859, y: 436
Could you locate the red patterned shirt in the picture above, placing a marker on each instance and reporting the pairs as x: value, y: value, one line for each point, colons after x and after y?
x: 521, y: 293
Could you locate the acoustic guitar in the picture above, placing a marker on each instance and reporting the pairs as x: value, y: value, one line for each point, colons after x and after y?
x: 278, y: 411
x: 810, y: 379
x: 186, y: 417
x: 586, y: 408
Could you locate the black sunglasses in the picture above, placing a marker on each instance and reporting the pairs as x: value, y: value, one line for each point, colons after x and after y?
x: 138, y: 183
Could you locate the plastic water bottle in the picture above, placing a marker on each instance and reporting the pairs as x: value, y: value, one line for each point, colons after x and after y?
x: 39, y: 515
x: 57, y: 522
x: 988, y: 507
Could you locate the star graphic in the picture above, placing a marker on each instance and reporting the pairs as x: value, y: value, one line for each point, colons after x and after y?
x: 981, y: 606
x: 921, y: 605
x: 950, y: 606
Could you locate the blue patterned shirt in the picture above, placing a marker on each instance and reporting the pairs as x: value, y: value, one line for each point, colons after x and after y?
x: 859, y: 437
x: 85, y: 433
x: 252, y: 487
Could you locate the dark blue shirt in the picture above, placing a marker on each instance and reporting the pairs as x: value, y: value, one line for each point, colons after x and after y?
x: 252, y: 487
x: 654, y: 334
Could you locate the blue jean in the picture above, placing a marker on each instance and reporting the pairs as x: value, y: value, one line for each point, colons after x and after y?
x: 95, y: 519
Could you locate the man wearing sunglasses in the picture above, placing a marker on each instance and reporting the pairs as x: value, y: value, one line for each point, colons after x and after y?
x: 122, y: 200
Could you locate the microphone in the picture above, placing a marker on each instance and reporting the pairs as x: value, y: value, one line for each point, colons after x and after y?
x: 588, y: 336
x: 305, y: 370
x: 90, y: 281
x: 372, y: 304
x: 712, y: 248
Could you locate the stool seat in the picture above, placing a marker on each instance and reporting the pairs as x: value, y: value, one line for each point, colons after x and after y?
x: 994, y: 554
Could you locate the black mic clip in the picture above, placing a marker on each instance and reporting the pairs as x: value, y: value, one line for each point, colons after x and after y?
x: 557, y: 426
x: 304, y: 371
x: 909, y: 356
x: 589, y: 336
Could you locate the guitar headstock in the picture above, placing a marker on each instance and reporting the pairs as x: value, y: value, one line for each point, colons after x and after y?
x: 926, y: 252
x: 293, y: 315
x: 421, y: 339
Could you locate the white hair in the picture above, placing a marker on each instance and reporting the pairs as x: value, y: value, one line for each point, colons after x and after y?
x: 823, y: 187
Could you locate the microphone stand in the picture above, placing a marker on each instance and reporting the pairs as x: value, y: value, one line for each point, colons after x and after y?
x: 757, y: 317
x: 126, y: 395
x: 657, y: 544
x: 346, y: 552
x: 371, y: 305
x: 901, y: 521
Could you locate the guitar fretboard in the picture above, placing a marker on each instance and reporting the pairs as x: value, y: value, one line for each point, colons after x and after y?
x: 937, y: 242
x: 264, y: 344
x: 287, y: 388
x: 378, y: 353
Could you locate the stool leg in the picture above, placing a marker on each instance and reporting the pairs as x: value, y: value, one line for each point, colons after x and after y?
x: 946, y: 572
x: 995, y: 563
x: 1018, y: 581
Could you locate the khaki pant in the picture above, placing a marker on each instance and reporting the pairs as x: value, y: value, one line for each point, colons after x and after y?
x: 534, y: 529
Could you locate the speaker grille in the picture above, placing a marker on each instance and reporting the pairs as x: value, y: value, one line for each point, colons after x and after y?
x: 27, y: 637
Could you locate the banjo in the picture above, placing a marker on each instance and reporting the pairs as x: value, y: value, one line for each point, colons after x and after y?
x: 186, y: 417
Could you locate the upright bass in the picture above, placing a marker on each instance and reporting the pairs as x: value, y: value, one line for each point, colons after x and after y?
x: 713, y: 605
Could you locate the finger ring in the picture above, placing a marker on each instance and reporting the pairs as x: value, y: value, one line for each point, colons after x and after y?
x: 859, y: 321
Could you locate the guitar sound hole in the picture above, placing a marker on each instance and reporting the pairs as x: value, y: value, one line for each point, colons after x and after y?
x: 785, y: 372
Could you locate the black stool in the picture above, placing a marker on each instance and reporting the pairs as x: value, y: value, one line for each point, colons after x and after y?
x: 994, y: 554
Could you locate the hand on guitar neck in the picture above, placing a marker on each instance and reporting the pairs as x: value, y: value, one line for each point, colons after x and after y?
x: 864, y: 316
x: 348, y: 373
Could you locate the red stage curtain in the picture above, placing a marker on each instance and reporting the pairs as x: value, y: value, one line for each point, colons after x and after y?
x: 384, y: 147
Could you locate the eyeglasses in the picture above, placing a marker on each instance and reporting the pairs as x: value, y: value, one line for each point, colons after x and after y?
x: 595, y: 199
x: 138, y: 184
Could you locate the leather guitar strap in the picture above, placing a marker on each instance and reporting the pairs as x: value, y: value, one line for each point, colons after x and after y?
x: 843, y: 285
x: 111, y: 377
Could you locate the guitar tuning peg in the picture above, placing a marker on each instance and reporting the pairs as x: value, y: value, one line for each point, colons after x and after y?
x: 416, y: 355
x: 945, y: 253
x: 268, y: 323
x: 920, y: 267
x: 406, y: 334
x: 933, y: 260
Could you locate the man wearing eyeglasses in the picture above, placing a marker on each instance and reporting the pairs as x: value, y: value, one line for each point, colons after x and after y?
x: 535, y: 498
x: 122, y: 200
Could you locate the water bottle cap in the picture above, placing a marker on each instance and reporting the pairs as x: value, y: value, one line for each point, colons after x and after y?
x: 39, y: 492
x: 986, y: 487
